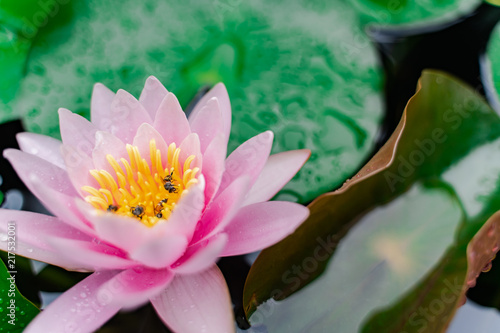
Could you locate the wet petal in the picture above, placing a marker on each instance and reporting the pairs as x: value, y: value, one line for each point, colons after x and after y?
x: 160, y: 252
x: 278, y: 171
x: 220, y: 93
x: 152, y: 95
x: 214, y: 160
x: 220, y: 212
x: 248, y: 159
x: 32, y: 231
x: 196, y: 303
x: 41, y: 146
x: 107, y: 144
x: 171, y: 121
x: 91, y: 254
x: 61, y: 205
x: 191, y: 146
x: 52, y: 176
x: 125, y: 116
x: 201, y: 256
x: 142, y: 140
x: 77, y: 132
x: 80, y: 307
x: 261, y: 225
x: 78, y: 166
x: 100, y: 105
x: 208, y: 123
x: 134, y: 287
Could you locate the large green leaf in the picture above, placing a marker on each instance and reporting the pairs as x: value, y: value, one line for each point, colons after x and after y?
x: 302, y: 69
x: 15, y: 310
x: 430, y: 305
x: 493, y: 55
x: 487, y: 291
x: 20, y: 21
x: 27, y: 16
x: 401, y: 226
x: 13, y: 53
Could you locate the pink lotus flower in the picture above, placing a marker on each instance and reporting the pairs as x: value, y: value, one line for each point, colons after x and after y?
x: 147, y: 199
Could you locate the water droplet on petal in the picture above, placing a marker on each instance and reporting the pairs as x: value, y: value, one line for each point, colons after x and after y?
x: 138, y: 269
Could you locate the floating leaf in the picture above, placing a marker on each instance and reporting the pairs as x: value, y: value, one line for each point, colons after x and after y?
x: 400, y: 227
x: 13, y: 53
x: 493, y: 56
x: 432, y: 310
x: 27, y: 16
x: 19, y: 24
x: 15, y: 310
x: 284, y: 68
x: 487, y: 291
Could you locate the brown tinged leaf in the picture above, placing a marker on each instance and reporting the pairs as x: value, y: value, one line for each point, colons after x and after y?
x: 439, y: 156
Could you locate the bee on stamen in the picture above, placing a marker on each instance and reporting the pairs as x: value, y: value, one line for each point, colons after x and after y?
x: 159, y: 207
x: 137, y: 211
x: 168, y: 184
x: 168, y: 178
x: 112, y: 208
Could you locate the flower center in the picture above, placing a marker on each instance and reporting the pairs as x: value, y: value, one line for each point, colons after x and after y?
x: 145, y: 191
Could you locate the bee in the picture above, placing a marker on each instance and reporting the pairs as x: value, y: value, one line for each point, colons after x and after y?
x: 170, y: 187
x: 112, y: 208
x: 168, y: 184
x: 169, y: 177
x: 159, y: 207
x: 137, y: 211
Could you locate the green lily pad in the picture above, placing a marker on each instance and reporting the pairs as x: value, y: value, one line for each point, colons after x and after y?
x: 15, y: 310
x: 445, y: 288
x: 298, y: 68
x: 19, y: 24
x: 13, y: 53
x: 493, y: 55
x: 407, y: 11
x: 399, y: 228
x: 27, y: 16
x: 487, y: 291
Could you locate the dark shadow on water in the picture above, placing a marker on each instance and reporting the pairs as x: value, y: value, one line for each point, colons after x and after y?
x: 456, y: 47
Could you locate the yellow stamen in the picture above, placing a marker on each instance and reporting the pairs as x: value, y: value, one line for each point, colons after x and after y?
x: 140, y: 188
